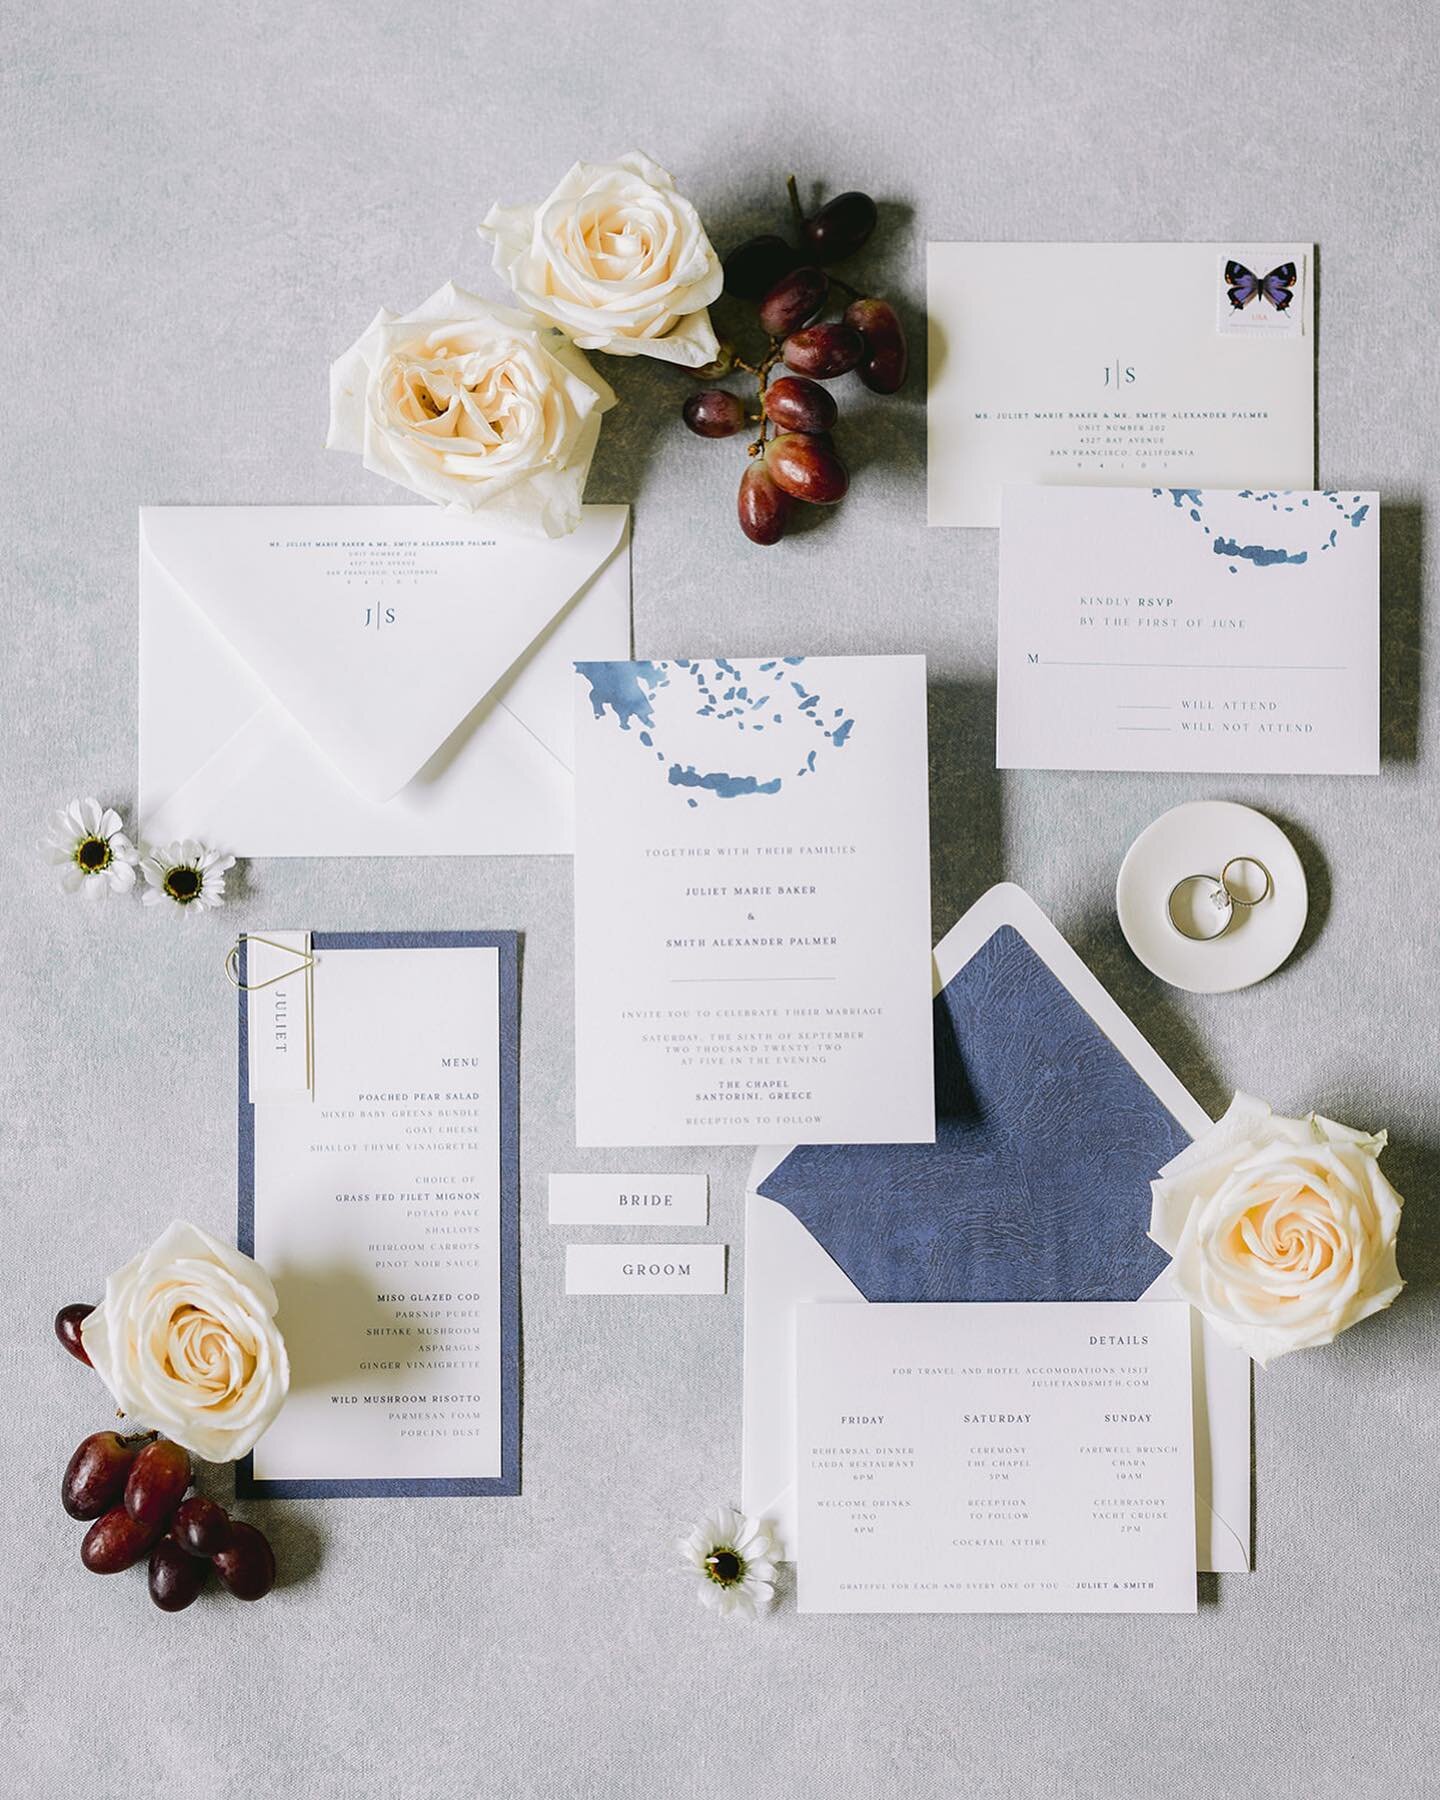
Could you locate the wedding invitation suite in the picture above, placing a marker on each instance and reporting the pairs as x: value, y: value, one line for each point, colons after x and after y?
x: 386, y: 1209
x: 752, y: 902
x: 1115, y: 365
x: 995, y: 1458
x: 1189, y: 629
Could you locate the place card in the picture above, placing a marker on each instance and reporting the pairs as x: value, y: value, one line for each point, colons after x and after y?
x: 645, y: 1268
x: 629, y: 1199
x: 279, y: 978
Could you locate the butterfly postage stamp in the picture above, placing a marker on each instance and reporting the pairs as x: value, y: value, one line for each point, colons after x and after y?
x: 1260, y: 291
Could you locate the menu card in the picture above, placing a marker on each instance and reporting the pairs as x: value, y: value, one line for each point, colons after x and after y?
x: 386, y: 1209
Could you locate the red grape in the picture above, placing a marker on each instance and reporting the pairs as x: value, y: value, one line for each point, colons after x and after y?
x: 175, y: 1578
x: 68, y: 1321
x: 764, y: 510
x: 157, y: 1483
x: 886, y: 356
x: 807, y: 468
x: 247, y: 1565
x: 795, y: 298
x: 714, y: 413
x: 115, y: 1541
x: 96, y: 1474
x: 795, y: 404
x: 824, y: 351
x: 753, y: 268
x: 201, y: 1526
x: 841, y: 227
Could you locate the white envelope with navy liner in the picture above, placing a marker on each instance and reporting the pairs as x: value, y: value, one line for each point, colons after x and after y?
x: 369, y: 680
x: 1052, y: 1116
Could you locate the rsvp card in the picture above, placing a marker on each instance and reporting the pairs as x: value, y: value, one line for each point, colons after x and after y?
x: 386, y: 1209
x: 1117, y: 364
x: 752, y: 902
x: 995, y: 1458
x: 1189, y: 629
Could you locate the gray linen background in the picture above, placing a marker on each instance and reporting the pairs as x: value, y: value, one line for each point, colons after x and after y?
x: 201, y: 207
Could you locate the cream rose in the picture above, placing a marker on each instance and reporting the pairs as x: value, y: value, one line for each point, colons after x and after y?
x: 472, y: 406
x: 186, y: 1341
x: 1282, y: 1231
x: 615, y: 258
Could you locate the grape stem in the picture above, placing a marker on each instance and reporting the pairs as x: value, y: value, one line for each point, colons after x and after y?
x: 794, y: 192
x: 762, y: 378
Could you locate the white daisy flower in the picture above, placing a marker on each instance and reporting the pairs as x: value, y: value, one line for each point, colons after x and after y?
x: 733, y: 1560
x: 88, y: 842
x: 186, y: 874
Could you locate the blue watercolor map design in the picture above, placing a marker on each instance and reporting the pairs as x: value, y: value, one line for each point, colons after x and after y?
x: 771, y: 695
x: 1291, y: 516
x: 1037, y: 1186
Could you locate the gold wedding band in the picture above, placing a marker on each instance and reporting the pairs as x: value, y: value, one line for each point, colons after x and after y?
x: 1249, y: 897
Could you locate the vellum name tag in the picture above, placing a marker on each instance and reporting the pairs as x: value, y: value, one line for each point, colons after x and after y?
x: 280, y: 984
x: 645, y: 1268
x: 629, y: 1199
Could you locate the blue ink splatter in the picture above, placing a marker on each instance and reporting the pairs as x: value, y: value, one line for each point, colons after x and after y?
x: 728, y: 787
x: 1193, y: 502
x: 628, y: 692
x: 1260, y: 554
x: 627, y: 689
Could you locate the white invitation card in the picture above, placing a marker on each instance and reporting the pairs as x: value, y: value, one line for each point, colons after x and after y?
x: 1117, y: 364
x: 1189, y: 629
x: 752, y: 902
x: 386, y: 1209
x: 995, y: 1458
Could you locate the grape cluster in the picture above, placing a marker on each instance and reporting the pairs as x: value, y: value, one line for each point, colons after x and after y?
x: 792, y: 289
x: 134, y: 1493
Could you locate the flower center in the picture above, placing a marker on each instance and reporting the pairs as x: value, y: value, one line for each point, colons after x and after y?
x: 183, y: 885
x: 724, y: 1567
x: 93, y: 854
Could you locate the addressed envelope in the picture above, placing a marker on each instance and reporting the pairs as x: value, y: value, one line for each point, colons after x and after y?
x: 370, y: 680
x: 1053, y: 1114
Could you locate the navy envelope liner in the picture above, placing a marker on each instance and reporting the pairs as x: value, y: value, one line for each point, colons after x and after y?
x: 1038, y: 1184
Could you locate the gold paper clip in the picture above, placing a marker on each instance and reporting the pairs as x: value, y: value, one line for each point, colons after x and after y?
x: 304, y: 959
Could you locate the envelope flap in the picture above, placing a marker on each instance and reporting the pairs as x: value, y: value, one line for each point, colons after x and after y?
x: 379, y: 629
x: 1047, y: 1136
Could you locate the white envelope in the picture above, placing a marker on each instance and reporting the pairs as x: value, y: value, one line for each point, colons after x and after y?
x: 368, y: 681
x: 785, y: 1266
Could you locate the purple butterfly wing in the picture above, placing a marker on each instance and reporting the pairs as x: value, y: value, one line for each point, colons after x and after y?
x: 1277, y: 284
x: 1241, y: 285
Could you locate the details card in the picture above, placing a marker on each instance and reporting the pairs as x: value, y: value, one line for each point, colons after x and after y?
x: 386, y: 1209
x: 995, y: 1458
x: 1116, y: 364
x: 752, y: 902
x: 629, y: 1199
x: 1189, y: 629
